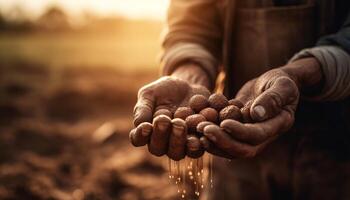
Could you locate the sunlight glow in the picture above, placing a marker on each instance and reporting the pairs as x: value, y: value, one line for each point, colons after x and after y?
x: 135, y: 9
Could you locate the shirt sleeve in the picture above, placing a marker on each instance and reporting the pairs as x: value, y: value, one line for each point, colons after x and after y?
x: 335, y: 65
x: 340, y: 39
x: 193, y: 33
x: 333, y: 53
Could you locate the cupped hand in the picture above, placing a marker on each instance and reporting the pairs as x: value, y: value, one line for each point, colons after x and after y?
x: 162, y: 134
x: 269, y: 102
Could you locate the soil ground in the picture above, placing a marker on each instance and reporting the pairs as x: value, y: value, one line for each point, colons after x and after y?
x: 64, y: 135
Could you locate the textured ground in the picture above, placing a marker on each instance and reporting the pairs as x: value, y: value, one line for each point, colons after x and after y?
x: 63, y: 135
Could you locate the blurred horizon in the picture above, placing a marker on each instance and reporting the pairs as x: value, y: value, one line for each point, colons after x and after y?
x: 78, y: 33
x: 69, y: 75
x: 131, y: 9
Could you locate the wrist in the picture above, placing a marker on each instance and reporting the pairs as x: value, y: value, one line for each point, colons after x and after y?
x: 193, y: 74
x: 306, y: 73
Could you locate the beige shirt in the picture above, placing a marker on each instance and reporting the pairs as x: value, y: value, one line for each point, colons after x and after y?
x: 195, y: 32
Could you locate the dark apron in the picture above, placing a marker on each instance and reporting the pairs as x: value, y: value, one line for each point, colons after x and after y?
x: 312, y: 160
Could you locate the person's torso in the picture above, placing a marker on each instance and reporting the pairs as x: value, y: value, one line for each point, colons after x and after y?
x: 259, y: 37
x: 264, y: 34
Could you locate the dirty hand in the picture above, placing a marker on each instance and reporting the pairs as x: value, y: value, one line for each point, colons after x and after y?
x: 270, y: 103
x: 162, y: 134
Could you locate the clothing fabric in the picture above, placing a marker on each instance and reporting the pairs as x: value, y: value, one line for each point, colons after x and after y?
x: 312, y: 160
x: 184, y: 52
x: 202, y: 24
x: 335, y: 64
x: 193, y: 22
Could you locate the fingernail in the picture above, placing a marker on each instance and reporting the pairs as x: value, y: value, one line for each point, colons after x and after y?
x: 162, y: 126
x: 202, y: 125
x: 260, y: 111
x: 210, y: 136
x: 178, y: 130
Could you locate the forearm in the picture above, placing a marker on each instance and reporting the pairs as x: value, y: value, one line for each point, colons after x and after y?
x: 187, y: 24
x: 187, y: 54
x: 307, y: 74
x: 192, y: 37
x: 193, y: 74
x: 334, y: 66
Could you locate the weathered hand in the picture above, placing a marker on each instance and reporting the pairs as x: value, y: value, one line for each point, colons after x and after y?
x: 270, y: 103
x: 162, y: 134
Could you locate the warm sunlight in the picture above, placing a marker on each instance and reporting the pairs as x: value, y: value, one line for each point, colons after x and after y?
x: 153, y: 9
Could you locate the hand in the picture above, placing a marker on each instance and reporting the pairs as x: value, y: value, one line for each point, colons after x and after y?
x: 162, y: 134
x: 270, y: 103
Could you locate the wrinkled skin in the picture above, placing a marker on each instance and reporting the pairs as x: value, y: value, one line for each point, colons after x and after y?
x: 163, y: 135
x: 270, y: 102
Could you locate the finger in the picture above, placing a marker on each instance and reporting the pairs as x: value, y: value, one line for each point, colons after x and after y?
x: 245, y: 111
x: 158, y: 145
x: 224, y: 142
x: 143, y: 109
x: 244, y: 132
x: 283, y: 92
x: 257, y: 133
x: 210, y: 148
x: 140, y: 136
x: 244, y: 94
x: 194, y: 147
x: 202, y: 125
x: 177, y: 141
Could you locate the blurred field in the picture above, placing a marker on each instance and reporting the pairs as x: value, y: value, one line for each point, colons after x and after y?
x: 127, y: 46
x: 66, y: 102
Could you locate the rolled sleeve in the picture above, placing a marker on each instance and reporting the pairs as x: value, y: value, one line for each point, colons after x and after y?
x: 335, y: 65
x: 188, y: 52
x: 193, y: 33
x: 194, y: 21
x: 340, y: 39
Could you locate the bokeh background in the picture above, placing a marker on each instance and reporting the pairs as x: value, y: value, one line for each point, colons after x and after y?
x: 69, y: 74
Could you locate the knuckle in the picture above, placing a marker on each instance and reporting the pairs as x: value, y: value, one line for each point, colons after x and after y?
x: 260, y: 131
x: 145, y: 91
x: 275, y: 99
x: 284, y: 81
x: 288, y: 122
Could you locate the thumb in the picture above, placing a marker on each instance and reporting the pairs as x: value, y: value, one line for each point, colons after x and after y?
x: 143, y: 110
x: 268, y: 104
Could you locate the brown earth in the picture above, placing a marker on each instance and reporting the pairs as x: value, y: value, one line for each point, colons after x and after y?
x: 64, y: 135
